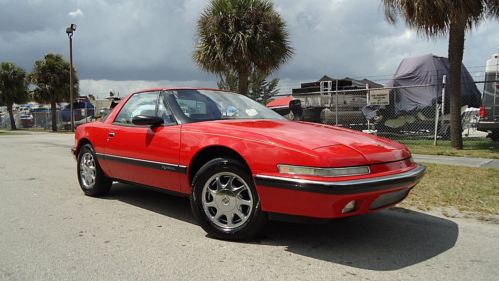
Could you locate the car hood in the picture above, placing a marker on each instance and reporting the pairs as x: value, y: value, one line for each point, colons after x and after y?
x: 311, y: 136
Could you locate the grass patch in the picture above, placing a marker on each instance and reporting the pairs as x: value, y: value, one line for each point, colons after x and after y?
x: 62, y: 132
x: 29, y: 131
x: 480, y: 148
x: 11, y: 133
x: 467, y: 189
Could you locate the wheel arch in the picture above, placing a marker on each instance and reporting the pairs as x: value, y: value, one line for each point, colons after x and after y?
x: 81, y: 143
x: 211, y: 152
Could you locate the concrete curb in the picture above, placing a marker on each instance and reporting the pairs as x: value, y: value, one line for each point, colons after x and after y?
x: 458, y: 161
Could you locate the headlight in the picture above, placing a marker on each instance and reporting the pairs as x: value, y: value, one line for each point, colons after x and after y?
x: 323, y: 172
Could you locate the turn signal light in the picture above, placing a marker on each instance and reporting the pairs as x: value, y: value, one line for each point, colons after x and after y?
x: 323, y: 172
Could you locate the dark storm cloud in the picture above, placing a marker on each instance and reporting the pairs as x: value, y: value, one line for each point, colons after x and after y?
x: 28, y: 16
x: 352, y: 38
x: 122, y: 40
x: 153, y: 40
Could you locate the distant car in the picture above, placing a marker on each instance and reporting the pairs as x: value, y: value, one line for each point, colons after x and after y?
x: 239, y: 162
x: 489, y: 111
x: 83, y: 111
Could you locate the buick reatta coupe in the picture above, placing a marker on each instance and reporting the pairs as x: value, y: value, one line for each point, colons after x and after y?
x: 239, y: 162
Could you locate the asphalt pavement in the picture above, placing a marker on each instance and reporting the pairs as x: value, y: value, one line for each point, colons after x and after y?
x: 50, y: 231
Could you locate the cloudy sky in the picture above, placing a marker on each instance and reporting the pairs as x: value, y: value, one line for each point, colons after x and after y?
x: 125, y: 45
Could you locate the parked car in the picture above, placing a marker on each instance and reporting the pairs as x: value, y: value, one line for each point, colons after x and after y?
x: 240, y: 162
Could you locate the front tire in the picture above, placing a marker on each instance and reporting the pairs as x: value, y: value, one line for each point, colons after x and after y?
x: 224, y: 201
x: 494, y: 135
x: 92, y: 180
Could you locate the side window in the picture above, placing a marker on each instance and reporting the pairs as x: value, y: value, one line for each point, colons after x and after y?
x: 192, y: 106
x: 138, y: 104
x: 197, y: 106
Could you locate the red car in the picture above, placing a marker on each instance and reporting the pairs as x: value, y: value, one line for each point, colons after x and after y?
x: 239, y: 161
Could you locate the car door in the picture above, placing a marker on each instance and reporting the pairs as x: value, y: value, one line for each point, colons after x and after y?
x: 143, y: 154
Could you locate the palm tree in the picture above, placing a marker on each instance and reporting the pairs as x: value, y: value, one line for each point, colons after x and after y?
x: 13, y: 88
x: 239, y: 35
x: 437, y: 18
x: 51, y: 76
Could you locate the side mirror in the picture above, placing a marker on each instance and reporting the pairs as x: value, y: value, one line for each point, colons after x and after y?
x: 145, y: 120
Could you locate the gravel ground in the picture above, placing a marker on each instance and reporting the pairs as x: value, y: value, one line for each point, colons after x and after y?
x: 50, y: 231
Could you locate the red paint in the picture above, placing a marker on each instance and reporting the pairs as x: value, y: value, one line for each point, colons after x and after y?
x: 316, y: 205
x: 263, y: 144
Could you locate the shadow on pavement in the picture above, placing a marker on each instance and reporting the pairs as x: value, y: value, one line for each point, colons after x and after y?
x: 162, y: 203
x: 386, y: 240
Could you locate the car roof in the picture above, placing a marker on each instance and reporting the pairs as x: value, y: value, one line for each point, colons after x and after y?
x: 178, y: 88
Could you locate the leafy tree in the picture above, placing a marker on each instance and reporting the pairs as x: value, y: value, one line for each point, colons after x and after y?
x: 235, y: 36
x: 262, y: 90
x: 51, y: 76
x: 13, y: 88
x: 259, y: 88
x: 228, y: 81
x: 437, y: 18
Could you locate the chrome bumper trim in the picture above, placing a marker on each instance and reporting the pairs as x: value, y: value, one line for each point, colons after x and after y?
x: 406, y: 179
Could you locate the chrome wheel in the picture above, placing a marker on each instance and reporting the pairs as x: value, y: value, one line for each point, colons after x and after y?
x: 227, y: 200
x: 88, y: 170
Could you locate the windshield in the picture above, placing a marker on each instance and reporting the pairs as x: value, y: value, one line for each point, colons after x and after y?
x: 202, y: 105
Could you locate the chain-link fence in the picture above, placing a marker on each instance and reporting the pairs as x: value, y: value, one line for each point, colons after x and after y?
x: 42, y: 119
x: 376, y: 110
x: 389, y: 111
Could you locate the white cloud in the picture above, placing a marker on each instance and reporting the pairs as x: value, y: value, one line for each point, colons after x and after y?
x: 76, y: 13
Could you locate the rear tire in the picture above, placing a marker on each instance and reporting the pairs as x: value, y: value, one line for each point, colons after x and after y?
x: 92, y: 180
x: 494, y: 135
x: 224, y: 201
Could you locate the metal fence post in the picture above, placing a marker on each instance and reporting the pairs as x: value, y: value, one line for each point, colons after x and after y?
x: 436, y: 124
x: 444, y: 83
x: 367, y: 103
x: 437, y: 112
x: 336, y: 102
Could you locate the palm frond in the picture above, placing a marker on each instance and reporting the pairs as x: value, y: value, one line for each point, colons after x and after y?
x: 241, y: 33
x: 51, y: 77
x: 433, y: 17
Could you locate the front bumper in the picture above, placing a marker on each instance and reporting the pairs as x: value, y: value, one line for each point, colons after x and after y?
x: 326, y: 199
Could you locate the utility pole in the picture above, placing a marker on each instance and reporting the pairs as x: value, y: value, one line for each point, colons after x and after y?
x: 69, y: 31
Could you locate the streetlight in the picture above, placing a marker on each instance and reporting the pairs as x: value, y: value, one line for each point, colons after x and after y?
x: 69, y: 31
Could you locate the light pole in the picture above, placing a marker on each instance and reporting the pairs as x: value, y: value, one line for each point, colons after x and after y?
x: 70, y: 31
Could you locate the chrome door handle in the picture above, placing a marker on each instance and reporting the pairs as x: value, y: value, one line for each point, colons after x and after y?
x: 112, y: 134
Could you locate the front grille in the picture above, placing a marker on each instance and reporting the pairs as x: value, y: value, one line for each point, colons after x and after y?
x: 388, y: 199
